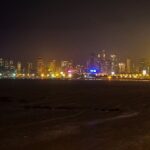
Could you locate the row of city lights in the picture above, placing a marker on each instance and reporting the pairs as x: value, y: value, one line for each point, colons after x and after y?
x: 70, y: 75
x: 53, y: 75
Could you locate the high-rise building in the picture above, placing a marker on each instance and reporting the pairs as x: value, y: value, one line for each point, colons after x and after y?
x: 122, y: 67
x: 128, y: 65
x: 1, y: 62
x: 102, y: 55
x: 6, y: 65
x: 52, y: 66
x: 80, y: 69
x: 92, y: 62
x: 19, y: 68
x: 103, y: 62
x: 114, y: 63
x: 66, y: 65
x: 11, y: 65
x: 29, y: 68
x: 1, y: 65
x: 12, y: 69
x: 40, y: 66
x: 143, y: 64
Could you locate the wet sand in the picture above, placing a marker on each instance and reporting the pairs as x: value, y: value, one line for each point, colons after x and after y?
x: 74, y: 115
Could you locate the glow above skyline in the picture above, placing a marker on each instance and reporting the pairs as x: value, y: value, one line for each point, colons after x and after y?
x: 74, y: 29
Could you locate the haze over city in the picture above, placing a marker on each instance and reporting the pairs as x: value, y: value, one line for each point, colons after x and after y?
x: 73, y: 29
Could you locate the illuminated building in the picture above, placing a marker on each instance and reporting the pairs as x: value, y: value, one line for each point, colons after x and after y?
x: 92, y: 62
x: 40, y: 66
x: 144, y: 72
x: 52, y: 66
x: 7, y: 68
x: 128, y: 65
x: 103, y: 62
x: 19, y: 68
x: 1, y: 66
x: 1, y: 62
x: 143, y: 64
x: 102, y: 55
x: 6, y: 64
x: 29, y: 68
x: 12, y: 66
x: 122, y: 67
x: 80, y: 69
x: 12, y: 69
x: 93, y: 67
x: 66, y: 65
x: 113, y: 63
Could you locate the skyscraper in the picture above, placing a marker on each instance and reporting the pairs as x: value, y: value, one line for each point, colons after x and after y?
x: 40, y: 66
x: 143, y: 65
x: 1, y: 62
x: 66, y: 65
x: 6, y: 65
x: 19, y: 68
x: 113, y: 63
x: 128, y: 65
x: 29, y: 68
x: 103, y: 62
x: 122, y: 67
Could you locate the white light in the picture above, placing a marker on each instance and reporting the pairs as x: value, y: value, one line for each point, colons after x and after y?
x: 0, y: 74
x: 70, y: 75
x: 53, y: 75
x: 42, y: 75
x: 112, y: 73
x: 14, y: 75
x: 144, y: 72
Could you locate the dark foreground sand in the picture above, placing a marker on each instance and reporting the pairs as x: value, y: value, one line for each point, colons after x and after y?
x: 74, y: 115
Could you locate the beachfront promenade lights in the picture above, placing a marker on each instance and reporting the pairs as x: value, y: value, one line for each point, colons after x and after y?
x: 42, y: 75
x: 144, y: 72
x: 112, y: 73
x: 70, y: 75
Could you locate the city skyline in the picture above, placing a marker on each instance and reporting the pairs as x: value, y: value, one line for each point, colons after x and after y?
x: 74, y: 74
x: 99, y: 64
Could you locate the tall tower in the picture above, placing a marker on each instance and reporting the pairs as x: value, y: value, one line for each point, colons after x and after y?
x: 19, y: 67
x: 6, y: 64
x: 128, y: 65
x: 1, y: 65
x: 52, y: 66
x: 29, y: 68
x: 122, y: 67
x: 40, y: 66
x: 103, y: 62
x: 113, y: 63
x: 92, y: 62
x: 12, y: 67
x: 1, y: 62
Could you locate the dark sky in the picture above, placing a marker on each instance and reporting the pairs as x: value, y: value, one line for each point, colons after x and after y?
x: 74, y: 29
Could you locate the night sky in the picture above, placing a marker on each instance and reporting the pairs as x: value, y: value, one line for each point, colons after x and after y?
x: 74, y: 29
